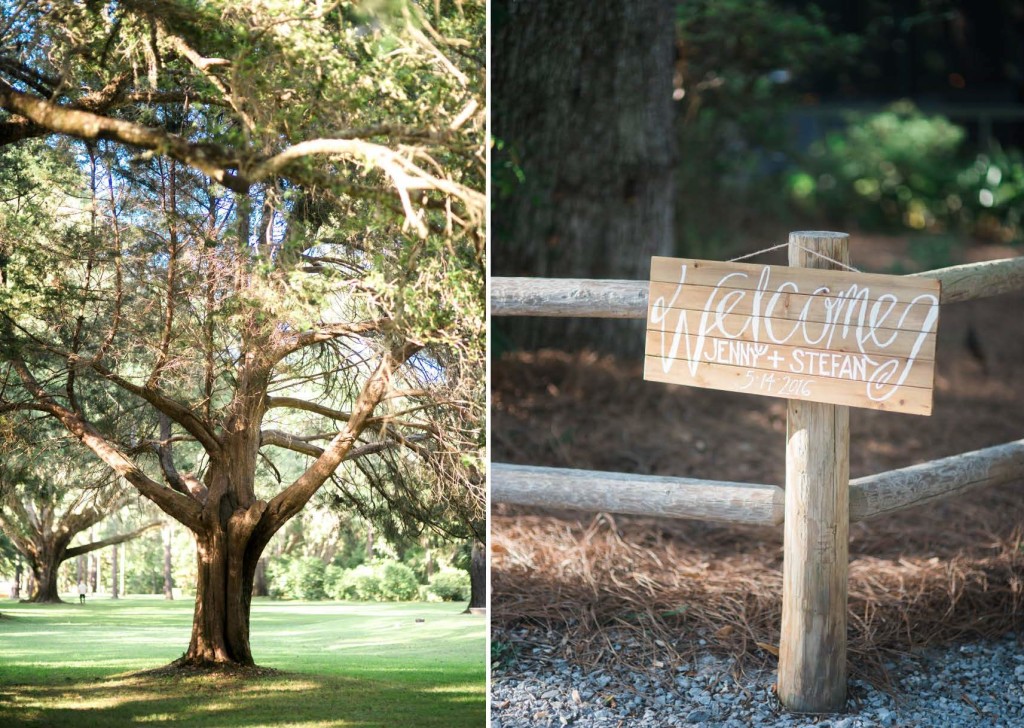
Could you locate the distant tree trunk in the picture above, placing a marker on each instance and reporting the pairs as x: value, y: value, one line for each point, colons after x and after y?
x: 94, y: 566
x: 369, y: 542
x: 582, y: 108
x: 478, y: 577
x: 44, y: 575
x: 260, y: 588
x: 428, y: 560
x: 18, y: 572
x: 168, y: 576
x: 113, y: 573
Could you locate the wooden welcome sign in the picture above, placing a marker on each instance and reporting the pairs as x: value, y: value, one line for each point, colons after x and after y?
x: 839, y: 337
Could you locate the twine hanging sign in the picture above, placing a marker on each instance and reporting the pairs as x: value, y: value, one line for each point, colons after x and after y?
x: 857, y: 339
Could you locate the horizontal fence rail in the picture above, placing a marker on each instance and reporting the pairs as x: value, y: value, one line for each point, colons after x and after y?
x: 639, y: 495
x: 897, y: 490
x: 716, y: 500
x: 588, y: 298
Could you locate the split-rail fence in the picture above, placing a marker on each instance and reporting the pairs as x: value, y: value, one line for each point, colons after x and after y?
x: 819, y: 500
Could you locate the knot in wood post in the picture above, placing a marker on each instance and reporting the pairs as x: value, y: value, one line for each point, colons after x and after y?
x: 812, y: 648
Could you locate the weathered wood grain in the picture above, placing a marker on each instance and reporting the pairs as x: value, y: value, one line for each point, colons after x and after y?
x: 978, y: 280
x: 908, y: 400
x: 897, y: 490
x: 708, y: 273
x: 642, y: 495
x: 571, y: 297
x: 790, y: 306
x: 812, y: 644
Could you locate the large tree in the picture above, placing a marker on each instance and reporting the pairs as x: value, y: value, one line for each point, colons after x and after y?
x: 583, y: 118
x: 241, y: 217
x: 43, y: 519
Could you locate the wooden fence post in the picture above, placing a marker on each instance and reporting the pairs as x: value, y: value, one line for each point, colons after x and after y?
x: 812, y: 649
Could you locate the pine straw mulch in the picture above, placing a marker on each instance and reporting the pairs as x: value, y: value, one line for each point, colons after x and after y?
x: 577, y: 584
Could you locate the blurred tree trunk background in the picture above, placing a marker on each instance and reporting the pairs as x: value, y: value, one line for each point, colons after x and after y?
x: 584, y: 153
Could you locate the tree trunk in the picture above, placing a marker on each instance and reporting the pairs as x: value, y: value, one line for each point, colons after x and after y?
x: 369, y: 543
x: 45, y: 580
x: 94, y: 569
x: 260, y: 586
x: 45, y: 562
x: 168, y: 576
x: 113, y: 572
x: 478, y: 577
x: 18, y: 571
x: 583, y: 112
x: 220, y: 623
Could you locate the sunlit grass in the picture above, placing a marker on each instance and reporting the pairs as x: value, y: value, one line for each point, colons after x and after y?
x: 344, y: 664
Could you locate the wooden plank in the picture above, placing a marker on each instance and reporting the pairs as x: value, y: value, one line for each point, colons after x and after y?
x: 868, y: 344
x: 910, y: 400
x: 748, y: 275
x: 818, y: 331
x: 796, y: 306
x: 643, y: 495
x: 812, y: 644
x: 897, y: 490
x: 798, y: 361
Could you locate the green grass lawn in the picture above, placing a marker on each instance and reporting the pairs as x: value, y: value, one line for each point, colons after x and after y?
x: 346, y: 664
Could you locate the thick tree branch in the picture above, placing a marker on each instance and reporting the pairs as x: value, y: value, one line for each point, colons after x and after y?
x: 186, y: 484
x: 210, y: 160
x: 288, y: 441
x: 404, y: 174
x: 292, y: 499
x: 327, y: 332
x: 301, y: 404
x: 175, y: 410
x: 176, y: 505
x: 120, y: 538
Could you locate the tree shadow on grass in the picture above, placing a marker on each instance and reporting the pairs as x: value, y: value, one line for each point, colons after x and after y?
x: 281, y: 699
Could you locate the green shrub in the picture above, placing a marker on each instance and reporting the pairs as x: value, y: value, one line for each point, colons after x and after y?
x: 901, y: 169
x: 384, y: 581
x: 449, y: 585
x: 279, y: 579
x: 309, y: 578
x: 397, y: 581
x: 894, y: 169
x: 296, y: 578
x: 334, y: 577
x: 361, y: 583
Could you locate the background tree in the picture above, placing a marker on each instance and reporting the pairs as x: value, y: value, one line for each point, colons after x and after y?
x: 583, y: 169
x: 48, y: 498
x: 272, y: 214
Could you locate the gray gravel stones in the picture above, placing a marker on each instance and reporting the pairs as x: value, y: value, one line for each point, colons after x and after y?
x: 974, y: 684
